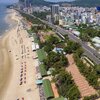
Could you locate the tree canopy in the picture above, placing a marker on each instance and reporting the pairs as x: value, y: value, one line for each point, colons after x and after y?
x: 71, y: 47
x: 66, y: 86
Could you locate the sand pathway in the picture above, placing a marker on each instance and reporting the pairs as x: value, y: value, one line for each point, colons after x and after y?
x: 84, y: 88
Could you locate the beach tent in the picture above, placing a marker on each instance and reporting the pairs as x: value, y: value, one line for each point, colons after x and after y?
x: 38, y: 82
x: 33, y: 47
x: 39, y: 76
x: 32, y: 39
x: 47, y: 89
x: 36, y: 45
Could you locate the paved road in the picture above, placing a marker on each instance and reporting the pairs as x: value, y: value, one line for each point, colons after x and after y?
x: 89, y: 52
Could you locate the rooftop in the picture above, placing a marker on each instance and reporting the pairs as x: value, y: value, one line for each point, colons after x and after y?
x: 59, y: 98
x: 96, y: 40
x: 41, y: 54
x: 48, y: 89
x: 43, y: 70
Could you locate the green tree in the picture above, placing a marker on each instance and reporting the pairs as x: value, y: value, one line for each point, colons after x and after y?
x: 71, y: 47
x: 97, y: 68
x: 68, y: 50
x: 63, y: 60
x: 92, y: 97
x: 52, y: 40
x: 52, y: 58
x: 79, y: 52
x: 84, y: 36
x: 48, y: 48
x: 66, y: 86
x: 57, y: 66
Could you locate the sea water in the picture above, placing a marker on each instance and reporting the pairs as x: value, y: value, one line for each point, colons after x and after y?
x: 3, y: 23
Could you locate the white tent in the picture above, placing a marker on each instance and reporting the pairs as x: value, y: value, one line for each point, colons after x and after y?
x: 39, y: 76
x: 35, y: 46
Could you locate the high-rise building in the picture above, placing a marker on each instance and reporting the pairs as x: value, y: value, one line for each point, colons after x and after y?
x: 27, y: 6
x: 27, y: 3
x: 55, y: 9
x: 20, y: 5
x: 55, y: 13
x: 23, y: 3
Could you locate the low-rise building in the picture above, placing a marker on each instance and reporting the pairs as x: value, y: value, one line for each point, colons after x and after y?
x: 76, y: 33
x: 96, y: 42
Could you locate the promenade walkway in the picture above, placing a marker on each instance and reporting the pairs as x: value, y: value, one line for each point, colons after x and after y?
x: 83, y: 86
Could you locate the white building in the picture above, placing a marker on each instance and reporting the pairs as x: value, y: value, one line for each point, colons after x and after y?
x: 76, y: 33
x: 96, y: 42
x: 55, y: 13
x: 48, y: 17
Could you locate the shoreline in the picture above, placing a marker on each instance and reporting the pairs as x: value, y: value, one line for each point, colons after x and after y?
x: 21, y: 72
x: 5, y: 59
x: 6, y: 64
x: 11, y: 22
x: 5, y: 19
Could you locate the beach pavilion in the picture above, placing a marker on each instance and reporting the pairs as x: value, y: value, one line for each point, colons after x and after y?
x: 48, y: 89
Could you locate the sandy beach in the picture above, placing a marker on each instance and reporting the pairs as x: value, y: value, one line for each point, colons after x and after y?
x: 5, y: 62
x: 18, y: 73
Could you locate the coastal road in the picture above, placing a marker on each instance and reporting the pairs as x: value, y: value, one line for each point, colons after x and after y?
x: 89, y: 52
